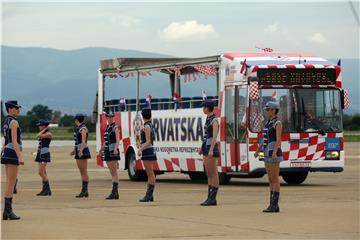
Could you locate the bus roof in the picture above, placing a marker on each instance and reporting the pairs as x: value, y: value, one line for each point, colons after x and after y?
x: 276, y: 58
x: 134, y: 64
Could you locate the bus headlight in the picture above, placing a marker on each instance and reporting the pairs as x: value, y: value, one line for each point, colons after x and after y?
x: 332, y: 155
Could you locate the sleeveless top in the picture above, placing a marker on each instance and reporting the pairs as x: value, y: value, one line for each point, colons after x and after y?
x: 269, y: 133
x: 143, y: 134
x: 78, y: 137
x: 208, y: 129
x: 8, y: 122
x: 44, y: 144
x: 110, y: 136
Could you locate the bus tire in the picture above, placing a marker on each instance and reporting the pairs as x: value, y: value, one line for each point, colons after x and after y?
x: 134, y: 174
x: 294, y: 178
x: 224, y: 179
x: 197, y: 176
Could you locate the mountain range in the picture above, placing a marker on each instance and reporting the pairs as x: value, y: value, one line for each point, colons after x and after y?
x: 66, y: 80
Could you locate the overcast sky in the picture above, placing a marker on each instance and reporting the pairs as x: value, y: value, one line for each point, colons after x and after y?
x: 185, y: 29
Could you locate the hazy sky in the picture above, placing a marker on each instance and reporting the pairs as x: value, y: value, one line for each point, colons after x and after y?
x: 185, y: 29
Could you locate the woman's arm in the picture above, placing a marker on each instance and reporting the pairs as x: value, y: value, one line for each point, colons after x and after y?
x: 215, y: 127
x: 278, y: 128
x: 14, y: 127
x: 117, y: 137
x: 83, y: 140
x: 42, y: 134
x: 148, y: 139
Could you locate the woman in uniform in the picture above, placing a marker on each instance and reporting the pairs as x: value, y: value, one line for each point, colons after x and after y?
x: 111, y: 153
x: 210, y: 151
x: 43, y: 155
x: 271, y: 145
x: 147, y: 153
x: 81, y: 152
x: 11, y: 155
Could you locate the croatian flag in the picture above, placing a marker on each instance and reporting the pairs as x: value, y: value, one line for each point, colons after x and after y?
x: 148, y: 100
x: 176, y: 99
x: 243, y: 67
x: 123, y: 102
x: 204, y: 96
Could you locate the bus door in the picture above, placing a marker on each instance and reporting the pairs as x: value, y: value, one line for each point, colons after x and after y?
x: 236, y: 137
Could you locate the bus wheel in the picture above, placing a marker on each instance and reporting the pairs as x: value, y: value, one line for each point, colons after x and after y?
x: 197, y: 176
x: 134, y: 174
x: 294, y: 178
x: 224, y: 179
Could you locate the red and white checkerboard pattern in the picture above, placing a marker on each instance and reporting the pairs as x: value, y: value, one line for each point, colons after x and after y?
x: 254, y: 90
x: 346, y: 99
x: 303, y: 146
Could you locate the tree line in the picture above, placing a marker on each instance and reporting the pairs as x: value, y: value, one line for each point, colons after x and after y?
x: 39, y: 111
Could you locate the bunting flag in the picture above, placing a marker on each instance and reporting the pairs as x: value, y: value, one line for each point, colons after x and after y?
x: 265, y: 49
x: 206, y: 69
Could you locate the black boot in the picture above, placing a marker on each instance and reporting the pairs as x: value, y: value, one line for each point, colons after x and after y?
x: 45, y: 190
x: 8, y: 212
x: 149, y: 194
x: 212, y: 197
x: 84, y: 190
x: 270, y: 200
x: 274, y: 204
x: 208, y: 196
x: 114, y: 193
x: 15, y: 189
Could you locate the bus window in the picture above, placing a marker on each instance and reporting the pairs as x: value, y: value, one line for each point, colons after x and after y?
x: 242, y: 114
x: 230, y: 116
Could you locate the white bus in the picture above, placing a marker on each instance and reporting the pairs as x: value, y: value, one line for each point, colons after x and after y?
x: 308, y: 89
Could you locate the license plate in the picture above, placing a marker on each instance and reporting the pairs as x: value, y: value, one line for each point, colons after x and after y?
x: 300, y: 164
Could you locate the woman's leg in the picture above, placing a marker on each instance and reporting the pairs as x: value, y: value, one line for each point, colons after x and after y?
x: 11, y: 175
x: 274, y: 172
x: 268, y: 172
x: 42, y: 172
x: 205, y: 161
x: 212, y: 171
x: 112, y: 165
x: 150, y: 172
x: 82, y: 165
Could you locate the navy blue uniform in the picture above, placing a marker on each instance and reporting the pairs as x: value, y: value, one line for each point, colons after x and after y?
x: 148, y: 153
x: 269, y: 135
x: 43, y: 152
x: 110, y: 143
x: 208, y: 137
x: 9, y: 155
x: 78, y: 142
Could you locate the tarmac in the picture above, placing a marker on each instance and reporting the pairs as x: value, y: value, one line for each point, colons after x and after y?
x: 326, y: 206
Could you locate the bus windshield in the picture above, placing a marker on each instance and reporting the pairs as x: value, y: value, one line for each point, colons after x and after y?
x: 301, y: 110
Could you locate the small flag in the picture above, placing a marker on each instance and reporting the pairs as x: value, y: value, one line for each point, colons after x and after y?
x: 339, y: 63
x: 274, y: 95
x: 204, y: 96
x: 243, y: 67
x: 265, y: 49
x: 123, y: 102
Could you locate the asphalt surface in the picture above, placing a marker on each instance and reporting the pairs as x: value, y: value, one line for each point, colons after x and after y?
x: 326, y: 206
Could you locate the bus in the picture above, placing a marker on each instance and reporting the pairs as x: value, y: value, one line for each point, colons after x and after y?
x: 308, y: 89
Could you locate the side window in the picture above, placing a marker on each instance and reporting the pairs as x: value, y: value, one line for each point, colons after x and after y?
x: 242, y: 114
x: 230, y: 116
